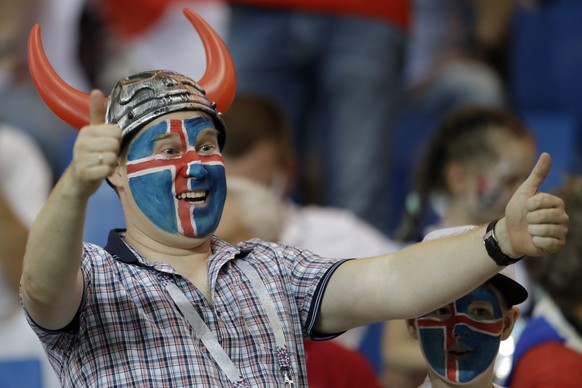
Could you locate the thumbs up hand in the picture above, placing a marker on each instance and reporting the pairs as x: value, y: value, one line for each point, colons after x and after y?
x: 95, y: 153
x: 536, y: 223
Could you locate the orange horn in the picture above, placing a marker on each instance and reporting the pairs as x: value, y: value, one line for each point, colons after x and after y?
x: 69, y: 104
x: 72, y: 106
x: 219, y: 80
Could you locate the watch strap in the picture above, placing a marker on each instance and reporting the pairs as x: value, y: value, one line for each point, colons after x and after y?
x: 493, y: 249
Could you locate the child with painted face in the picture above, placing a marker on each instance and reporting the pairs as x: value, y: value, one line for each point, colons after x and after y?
x: 460, y: 340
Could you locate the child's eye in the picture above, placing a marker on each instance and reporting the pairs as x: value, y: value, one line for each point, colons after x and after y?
x: 480, y: 312
x: 442, y: 313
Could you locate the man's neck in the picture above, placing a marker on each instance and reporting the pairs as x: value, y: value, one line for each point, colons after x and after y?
x: 188, y: 257
x: 178, y: 251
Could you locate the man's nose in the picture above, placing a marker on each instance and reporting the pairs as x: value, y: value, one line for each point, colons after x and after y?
x: 194, y: 167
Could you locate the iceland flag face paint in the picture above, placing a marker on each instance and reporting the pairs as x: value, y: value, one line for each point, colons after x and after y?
x: 176, y: 176
x: 461, y: 340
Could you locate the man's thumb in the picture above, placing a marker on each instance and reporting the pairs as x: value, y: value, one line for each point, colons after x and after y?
x: 97, y: 107
x: 537, y: 175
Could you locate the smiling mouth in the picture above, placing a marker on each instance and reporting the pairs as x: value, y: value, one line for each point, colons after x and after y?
x: 194, y: 197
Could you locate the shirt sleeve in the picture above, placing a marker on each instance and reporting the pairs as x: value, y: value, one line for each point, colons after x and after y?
x: 309, y: 276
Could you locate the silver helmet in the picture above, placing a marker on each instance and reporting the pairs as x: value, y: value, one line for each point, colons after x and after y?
x: 140, y: 98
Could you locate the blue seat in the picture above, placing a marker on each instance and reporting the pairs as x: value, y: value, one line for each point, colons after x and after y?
x: 21, y: 373
x: 546, y: 57
x: 544, y: 77
x: 555, y: 133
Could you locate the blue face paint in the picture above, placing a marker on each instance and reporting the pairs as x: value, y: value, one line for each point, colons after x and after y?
x: 176, y: 176
x: 461, y: 340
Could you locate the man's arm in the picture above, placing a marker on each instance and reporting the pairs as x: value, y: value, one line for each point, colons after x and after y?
x: 52, y: 283
x: 428, y: 275
x: 13, y: 235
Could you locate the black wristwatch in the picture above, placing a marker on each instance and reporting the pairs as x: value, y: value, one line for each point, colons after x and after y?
x: 492, y: 246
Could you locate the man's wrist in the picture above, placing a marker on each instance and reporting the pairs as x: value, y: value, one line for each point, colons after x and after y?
x: 496, y: 241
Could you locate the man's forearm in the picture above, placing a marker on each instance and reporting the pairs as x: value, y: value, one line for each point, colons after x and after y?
x: 13, y: 235
x: 51, y: 280
x: 406, y: 284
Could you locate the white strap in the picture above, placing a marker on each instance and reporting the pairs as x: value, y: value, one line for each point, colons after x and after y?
x: 266, y: 301
x: 203, y: 332
x: 211, y: 343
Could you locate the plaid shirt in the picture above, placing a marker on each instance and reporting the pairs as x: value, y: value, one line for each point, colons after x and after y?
x: 129, y: 333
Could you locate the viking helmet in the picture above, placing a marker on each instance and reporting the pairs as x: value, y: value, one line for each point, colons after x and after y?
x: 141, y: 98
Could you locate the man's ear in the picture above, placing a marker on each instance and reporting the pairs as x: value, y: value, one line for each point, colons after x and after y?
x: 411, y: 326
x: 116, y: 178
x: 509, y: 319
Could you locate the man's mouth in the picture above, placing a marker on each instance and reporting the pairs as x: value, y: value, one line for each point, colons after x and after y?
x: 194, y: 197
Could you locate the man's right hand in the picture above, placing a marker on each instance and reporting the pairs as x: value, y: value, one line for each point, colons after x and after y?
x: 95, y: 153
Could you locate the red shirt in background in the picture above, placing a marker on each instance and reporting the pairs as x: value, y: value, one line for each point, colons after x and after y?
x: 330, y: 365
x: 394, y: 11
x: 547, y: 366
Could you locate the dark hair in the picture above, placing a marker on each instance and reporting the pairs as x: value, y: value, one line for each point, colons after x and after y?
x: 252, y: 119
x: 461, y: 136
x: 559, y: 274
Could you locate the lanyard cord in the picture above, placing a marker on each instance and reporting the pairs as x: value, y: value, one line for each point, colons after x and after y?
x: 211, y: 343
x: 269, y: 306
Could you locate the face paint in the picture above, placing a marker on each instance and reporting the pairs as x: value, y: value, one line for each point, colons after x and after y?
x: 461, y: 340
x: 176, y: 179
x: 489, y: 193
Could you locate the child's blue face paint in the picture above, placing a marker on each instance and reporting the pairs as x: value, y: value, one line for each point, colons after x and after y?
x: 176, y: 176
x: 460, y: 341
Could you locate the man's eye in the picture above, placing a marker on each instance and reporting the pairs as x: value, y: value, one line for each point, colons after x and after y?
x: 171, y: 151
x: 207, y: 148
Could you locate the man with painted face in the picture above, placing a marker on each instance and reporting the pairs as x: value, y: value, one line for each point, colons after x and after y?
x: 166, y: 303
x: 460, y: 340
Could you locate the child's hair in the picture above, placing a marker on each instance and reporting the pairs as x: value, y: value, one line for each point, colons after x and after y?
x: 462, y: 136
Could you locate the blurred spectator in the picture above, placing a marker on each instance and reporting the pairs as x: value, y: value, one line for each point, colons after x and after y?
x: 259, y: 149
x: 549, y: 350
x: 468, y: 169
x: 336, y: 68
x: 456, y: 54
x: 24, y: 186
x: 18, y: 98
